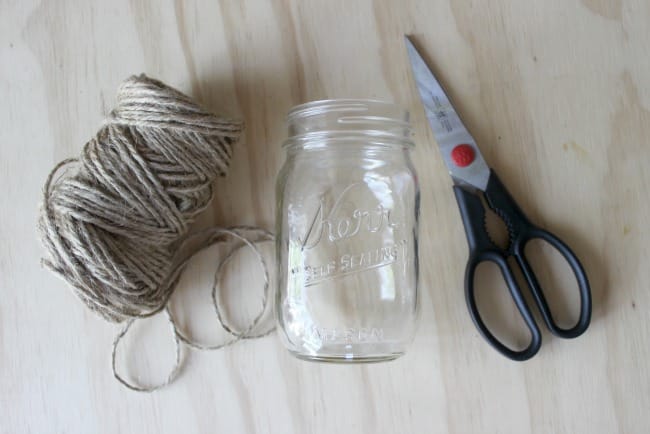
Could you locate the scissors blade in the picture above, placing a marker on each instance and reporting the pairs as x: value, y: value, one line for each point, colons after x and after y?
x: 465, y: 164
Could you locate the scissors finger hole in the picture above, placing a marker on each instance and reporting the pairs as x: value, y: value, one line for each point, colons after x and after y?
x: 497, y: 308
x: 556, y: 280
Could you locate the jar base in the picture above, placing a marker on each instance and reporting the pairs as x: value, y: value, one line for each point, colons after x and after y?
x: 347, y: 359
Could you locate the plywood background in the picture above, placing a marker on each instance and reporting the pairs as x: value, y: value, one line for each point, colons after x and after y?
x: 555, y: 92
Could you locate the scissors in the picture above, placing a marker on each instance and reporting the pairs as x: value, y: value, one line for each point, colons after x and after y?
x: 473, y: 178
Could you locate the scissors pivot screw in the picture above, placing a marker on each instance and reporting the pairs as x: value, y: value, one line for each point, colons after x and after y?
x: 463, y: 155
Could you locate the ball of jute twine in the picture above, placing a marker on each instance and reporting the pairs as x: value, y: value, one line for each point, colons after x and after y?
x: 116, y: 226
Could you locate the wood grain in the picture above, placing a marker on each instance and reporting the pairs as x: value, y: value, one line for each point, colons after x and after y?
x: 556, y: 94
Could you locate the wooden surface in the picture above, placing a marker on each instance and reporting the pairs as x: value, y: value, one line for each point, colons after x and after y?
x: 555, y: 92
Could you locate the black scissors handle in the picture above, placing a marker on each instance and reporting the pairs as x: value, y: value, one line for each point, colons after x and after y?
x: 521, y: 231
x: 495, y: 256
x: 583, y: 284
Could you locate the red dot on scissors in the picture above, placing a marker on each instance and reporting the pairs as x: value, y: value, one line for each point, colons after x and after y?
x: 463, y: 155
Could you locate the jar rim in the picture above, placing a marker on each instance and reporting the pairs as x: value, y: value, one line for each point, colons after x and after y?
x: 375, y: 121
x: 353, y: 104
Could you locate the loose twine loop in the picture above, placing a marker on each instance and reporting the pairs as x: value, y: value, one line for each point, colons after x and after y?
x: 248, y: 237
x: 117, y: 229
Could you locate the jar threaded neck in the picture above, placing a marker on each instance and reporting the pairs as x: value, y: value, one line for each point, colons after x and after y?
x: 328, y: 122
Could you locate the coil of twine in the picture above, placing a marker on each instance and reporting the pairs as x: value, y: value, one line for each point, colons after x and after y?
x: 117, y: 228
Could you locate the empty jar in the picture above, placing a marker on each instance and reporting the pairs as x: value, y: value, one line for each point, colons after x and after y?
x: 347, y: 228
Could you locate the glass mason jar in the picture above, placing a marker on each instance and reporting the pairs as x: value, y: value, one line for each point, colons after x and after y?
x: 347, y: 229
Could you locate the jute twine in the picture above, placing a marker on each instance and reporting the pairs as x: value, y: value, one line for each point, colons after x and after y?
x: 116, y: 226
